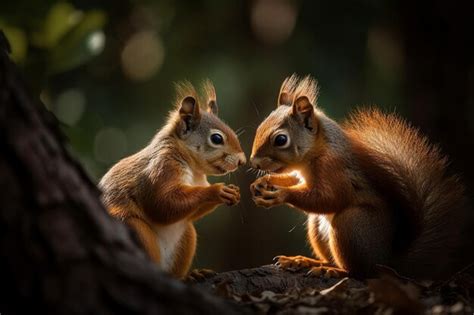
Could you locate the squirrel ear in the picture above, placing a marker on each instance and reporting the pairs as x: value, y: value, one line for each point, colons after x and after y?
x: 284, y: 99
x: 212, y: 107
x: 304, y: 111
x: 190, y: 115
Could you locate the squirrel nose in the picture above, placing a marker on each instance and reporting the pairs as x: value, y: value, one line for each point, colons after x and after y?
x: 254, y: 162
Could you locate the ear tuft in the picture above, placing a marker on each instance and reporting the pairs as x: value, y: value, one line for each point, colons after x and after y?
x: 287, y: 90
x: 294, y: 87
x: 210, y: 96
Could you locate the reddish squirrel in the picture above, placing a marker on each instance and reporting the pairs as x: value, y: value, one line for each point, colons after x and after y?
x: 162, y: 189
x: 375, y: 190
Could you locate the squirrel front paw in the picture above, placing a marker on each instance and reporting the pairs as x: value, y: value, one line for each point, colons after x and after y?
x: 229, y: 194
x: 266, y: 195
x: 261, y: 184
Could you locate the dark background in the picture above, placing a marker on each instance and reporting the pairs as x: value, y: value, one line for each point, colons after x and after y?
x: 106, y: 69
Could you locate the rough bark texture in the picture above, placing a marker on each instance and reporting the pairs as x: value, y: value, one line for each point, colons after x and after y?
x: 61, y: 252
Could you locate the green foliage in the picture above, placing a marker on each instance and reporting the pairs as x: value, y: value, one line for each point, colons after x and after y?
x: 18, y: 41
x: 61, y: 18
x: 81, y: 43
x: 64, y: 39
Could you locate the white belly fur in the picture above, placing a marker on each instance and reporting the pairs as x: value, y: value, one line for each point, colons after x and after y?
x: 170, y: 235
x: 324, y: 227
x: 168, y: 239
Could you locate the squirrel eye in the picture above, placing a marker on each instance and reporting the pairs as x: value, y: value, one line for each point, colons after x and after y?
x: 217, y: 138
x: 281, y: 140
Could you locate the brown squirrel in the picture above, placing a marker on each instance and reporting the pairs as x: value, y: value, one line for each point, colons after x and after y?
x: 376, y: 191
x: 163, y: 188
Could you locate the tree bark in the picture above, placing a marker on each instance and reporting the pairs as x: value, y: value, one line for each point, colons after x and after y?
x: 61, y: 252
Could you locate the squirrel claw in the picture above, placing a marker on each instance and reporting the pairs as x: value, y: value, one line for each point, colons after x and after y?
x: 230, y: 194
x: 298, y: 262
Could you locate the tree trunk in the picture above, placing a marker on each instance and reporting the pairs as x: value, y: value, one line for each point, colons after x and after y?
x: 61, y: 252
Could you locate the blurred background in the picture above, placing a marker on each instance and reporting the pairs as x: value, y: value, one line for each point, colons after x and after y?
x: 106, y: 70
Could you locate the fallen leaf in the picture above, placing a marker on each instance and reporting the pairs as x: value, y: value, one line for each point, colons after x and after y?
x: 339, y: 287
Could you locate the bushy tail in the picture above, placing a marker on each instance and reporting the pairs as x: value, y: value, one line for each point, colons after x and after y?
x: 419, y: 170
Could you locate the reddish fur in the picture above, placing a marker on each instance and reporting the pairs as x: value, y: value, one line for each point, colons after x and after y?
x: 146, y: 235
x: 421, y: 221
x: 164, y: 184
x: 180, y: 200
x: 163, y: 202
x: 331, y: 192
x: 382, y: 187
x: 185, y: 252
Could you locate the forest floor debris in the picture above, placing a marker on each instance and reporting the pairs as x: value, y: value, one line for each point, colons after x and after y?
x: 268, y: 289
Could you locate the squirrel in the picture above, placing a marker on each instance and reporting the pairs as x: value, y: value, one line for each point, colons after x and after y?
x: 161, y: 190
x: 375, y: 190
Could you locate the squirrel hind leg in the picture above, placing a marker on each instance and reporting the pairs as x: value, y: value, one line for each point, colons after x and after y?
x: 318, y: 236
x: 360, y: 248
x: 184, y: 253
x: 147, y: 237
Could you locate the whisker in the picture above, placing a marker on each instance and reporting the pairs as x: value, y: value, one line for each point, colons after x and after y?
x: 256, y: 109
x: 241, y: 132
x: 292, y: 229
x: 254, y: 170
